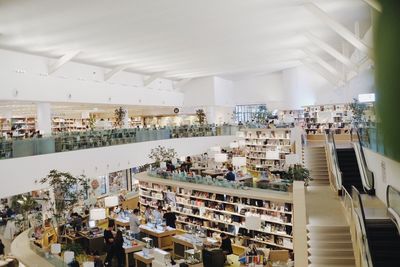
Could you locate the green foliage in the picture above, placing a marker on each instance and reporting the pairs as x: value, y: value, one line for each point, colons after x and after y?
x: 23, y: 203
x: 160, y: 154
x: 358, y: 110
x: 261, y: 115
x: 297, y: 173
x: 68, y: 190
x: 201, y: 116
x: 119, y: 116
x: 92, y: 121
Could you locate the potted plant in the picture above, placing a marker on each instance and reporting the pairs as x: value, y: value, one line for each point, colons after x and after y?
x: 161, y: 154
x: 201, y: 116
x: 120, y: 114
x: 297, y: 173
x: 358, y: 110
x: 68, y: 190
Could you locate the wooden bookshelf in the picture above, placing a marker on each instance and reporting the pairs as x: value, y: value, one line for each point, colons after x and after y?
x: 224, y: 211
x: 266, y: 149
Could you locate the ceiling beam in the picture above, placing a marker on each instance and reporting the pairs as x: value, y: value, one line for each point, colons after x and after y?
x: 152, y: 78
x: 339, y: 29
x: 331, y: 51
x: 323, y: 63
x: 114, y: 71
x: 61, y: 61
x: 374, y: 4
x: 322, y: 72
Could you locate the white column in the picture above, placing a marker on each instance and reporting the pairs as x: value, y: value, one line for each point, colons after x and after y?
x: 43, y: 114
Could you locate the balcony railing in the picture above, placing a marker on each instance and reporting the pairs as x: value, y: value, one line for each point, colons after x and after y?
x: 63, y: 142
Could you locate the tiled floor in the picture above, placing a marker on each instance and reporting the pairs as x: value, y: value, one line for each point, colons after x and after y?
x: 324, y: 207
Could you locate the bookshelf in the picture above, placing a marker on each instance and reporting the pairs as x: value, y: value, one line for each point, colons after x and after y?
x: 266, y: 149
x: 225, y: 212
x: 60, y: 124
x: 19, y: 124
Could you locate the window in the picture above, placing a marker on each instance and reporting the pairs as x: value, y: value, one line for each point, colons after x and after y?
x: 246, y: 113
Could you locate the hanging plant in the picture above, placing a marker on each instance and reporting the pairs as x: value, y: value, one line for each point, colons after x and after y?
x: 161, y: 154
x: 358, y: 110
x: 201, y: 116
x: 67, y: 189
x: 119, y: 116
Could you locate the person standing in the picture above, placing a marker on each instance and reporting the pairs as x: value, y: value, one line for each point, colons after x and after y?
x: 147, y: 214
x: 119, y: 248
x: 1, y: 248
x: 170, y: 218
x: 230, y: 176
x: 134, y: 224
x: 157, y: 214
x: 109, y: 240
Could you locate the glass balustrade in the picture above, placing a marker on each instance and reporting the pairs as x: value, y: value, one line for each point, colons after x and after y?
x: 278, y: 185
x: 393, y: 202
x: 70, y: 141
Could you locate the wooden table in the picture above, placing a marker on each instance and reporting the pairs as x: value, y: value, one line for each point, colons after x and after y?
x: 161, y: 239
x: 121, y: 223
x: 184, y: 241
x: 133, y: 249
x: 198, y: 170
x: 141, y: 260
x: 92, y: 243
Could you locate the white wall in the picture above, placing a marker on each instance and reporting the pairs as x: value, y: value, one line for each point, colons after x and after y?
x: 24, y: 77
x: 199, y: 92
x: 386, y: 172
x: 266, y: 89
x: 18, y: 175
x: 223, y: 92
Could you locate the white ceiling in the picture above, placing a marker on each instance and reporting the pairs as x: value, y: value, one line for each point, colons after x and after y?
x: 179, y: 38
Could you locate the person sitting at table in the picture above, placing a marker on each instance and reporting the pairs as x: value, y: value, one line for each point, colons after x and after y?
x: 170, y: 218
x: 134, y: 224
x: 109, y: 241
x: 226, y: 245
x: 230, y: 176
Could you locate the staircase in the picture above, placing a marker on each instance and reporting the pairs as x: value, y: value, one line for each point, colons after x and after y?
x: 384, y: 242
x: 314, y: 159
x: 349, y: 167
x: 330, y: 246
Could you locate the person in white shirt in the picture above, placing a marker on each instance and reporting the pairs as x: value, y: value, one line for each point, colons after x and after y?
x: 157, y: 214
x: 147, y: 214
x: 134, y: 224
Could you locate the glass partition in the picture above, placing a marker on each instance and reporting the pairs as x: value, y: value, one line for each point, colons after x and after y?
x: 70, y: 141
x: 393, y: 202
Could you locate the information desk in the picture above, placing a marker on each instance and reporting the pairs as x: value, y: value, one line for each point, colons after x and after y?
x: 141, y: 260
x: 185, y: 242
x: 129, y: 250
x: 162, y: 239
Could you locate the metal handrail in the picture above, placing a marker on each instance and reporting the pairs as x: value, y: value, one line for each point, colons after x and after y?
x: 394, y: 211
x: 330, y: 139
x: 367, y: 175
x: 362, y: 222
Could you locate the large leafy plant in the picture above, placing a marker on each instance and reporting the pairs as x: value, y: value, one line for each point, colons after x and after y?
x: 297, y: 173
x: 67, y: 190
x: 120, y: 114
x: 160, y: 154
x: 358, y: 109
x: 262, y: 115
x: 201, y: 116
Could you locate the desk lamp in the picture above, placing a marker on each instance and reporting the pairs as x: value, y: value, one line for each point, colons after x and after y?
x: 220, y: 158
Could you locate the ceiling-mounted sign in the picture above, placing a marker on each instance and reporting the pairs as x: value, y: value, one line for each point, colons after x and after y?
x: 176, y: 110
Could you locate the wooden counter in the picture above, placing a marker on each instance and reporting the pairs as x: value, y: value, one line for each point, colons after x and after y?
x: 130, y: 250
x: 141, y: 260
x: 161, y: 239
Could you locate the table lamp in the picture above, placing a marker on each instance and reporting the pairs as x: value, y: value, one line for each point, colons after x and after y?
x: 220, y: 158
x: 111, y: 201
x: 97, y: 214
x: 234, y: 145
x: 239, y: 162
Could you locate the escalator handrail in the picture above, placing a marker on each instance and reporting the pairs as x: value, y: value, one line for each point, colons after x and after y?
x: 393, y: 214
x: 357, y: 197
x: 335, y: 160
x: 367, y: 174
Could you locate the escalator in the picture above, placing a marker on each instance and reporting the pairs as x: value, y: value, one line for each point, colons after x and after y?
x: 348, y: 166
x: 384, y: 242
